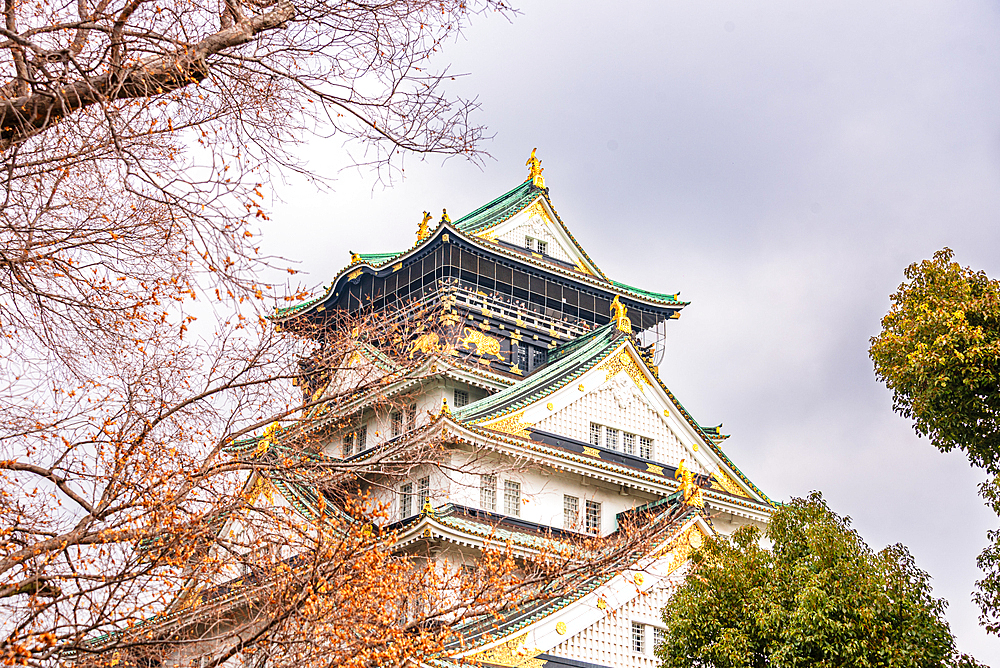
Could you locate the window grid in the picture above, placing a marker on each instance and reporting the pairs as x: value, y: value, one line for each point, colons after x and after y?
x: 348, y: 445
x: 628, y: 441
x: 423, y: 492
x: 512, y: 498
x: 638, y: 638
x: 405, y: 500
x: 571, y: 512
x: 646, y: 447
x: 522, y: 357
x: 658, y: 635
x: 542, y: 246
x: 461, y: 398
x: 595, y: 433
x: 362, y: 438
x: 411, y: 417
x: 488, y: 493
x: 537, y: 357
x: 611, y: 438
x: 593, y: 518
x: 397, y: 423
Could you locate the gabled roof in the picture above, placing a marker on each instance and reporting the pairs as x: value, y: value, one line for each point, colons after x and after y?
x: 567, y: 362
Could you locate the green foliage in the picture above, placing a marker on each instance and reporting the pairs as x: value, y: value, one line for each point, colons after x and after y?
x: 820, y: 597
x: 939, y: 353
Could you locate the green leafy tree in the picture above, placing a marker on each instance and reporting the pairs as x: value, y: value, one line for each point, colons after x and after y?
x: 820, y: 597
x: 939, y: 354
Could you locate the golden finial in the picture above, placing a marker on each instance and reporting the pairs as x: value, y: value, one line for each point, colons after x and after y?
x: 692, y: 493
x: 428, y: 509
x: 535, y: 169
x: 621, y: 320
x: 422, y: 230
x: 444, y: 406
x: 444, y: 216
x: 354, y: 257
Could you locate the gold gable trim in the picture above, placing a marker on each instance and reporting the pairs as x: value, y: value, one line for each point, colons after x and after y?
x: 512, y: 654
x: 623, y: 361
x: 512, y: 424
x: 721, y: 480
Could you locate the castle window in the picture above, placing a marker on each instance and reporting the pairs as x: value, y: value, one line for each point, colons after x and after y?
x: 638, y: 638
x: 595, y: 433
x: 397, y: 423
x: 461, y: 398
x: 405, y: 500
x: 628, y: 441
x: 537, y: 357
x: 423, y: 492
x: 488, y: 493
x: 348, y: 445
x: 411, y: 417
x: 536, y: 245
x: 646, y: 447
x: 611, y: 438
x: 512, y: 498
x: 362, y: 438
x: 522, y: 357
x: 593, y: 518
x: 571, y: 512
x: 658, y: 635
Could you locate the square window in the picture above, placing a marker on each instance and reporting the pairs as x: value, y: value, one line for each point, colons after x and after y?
x: 423, y: 492
x: 611, y: 438
x: 646, y: 447
x: 595, y: 433
x: 542, y: 246
x: 628, y: 441
x: 571, y: 513
x: 537, y: 357
x: 512, y: 498
x: 658, y: 636
x: 488, y: 493
x: 461, y: 398
x: 405, y: 500
x: 638, y: 638
x: 593, y: 518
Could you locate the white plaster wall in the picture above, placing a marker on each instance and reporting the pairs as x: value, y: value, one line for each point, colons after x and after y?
x: 615, y: 404
x: 609, y: 641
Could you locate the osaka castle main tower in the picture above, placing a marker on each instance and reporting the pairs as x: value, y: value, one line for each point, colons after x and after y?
x: 537, y: 376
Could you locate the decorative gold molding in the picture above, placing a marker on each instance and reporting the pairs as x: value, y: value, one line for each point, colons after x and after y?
x: 721, y: 480
x: 623, y: 361
x: 483, y: 344
x: 354, y: 274
x: 512, y: 424
x: 653, y: 468
x: 427, y: 342
x: 561, y: 628
x: 593, y: 452
x: 512, y: 654
x: 692, y: 493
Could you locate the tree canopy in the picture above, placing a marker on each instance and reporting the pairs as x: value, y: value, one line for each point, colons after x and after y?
x: 819, y: 597
x: 939, y: 354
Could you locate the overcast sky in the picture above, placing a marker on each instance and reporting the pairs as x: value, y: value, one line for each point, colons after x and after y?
x: 779, y: 165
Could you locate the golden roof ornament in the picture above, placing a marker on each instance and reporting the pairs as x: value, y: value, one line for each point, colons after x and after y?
x: 692, y: 493
x: 444, y: 216
x: 423, y: 231
x: 535, y: 169
x: 354, y: 257
x: 622, y: 321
